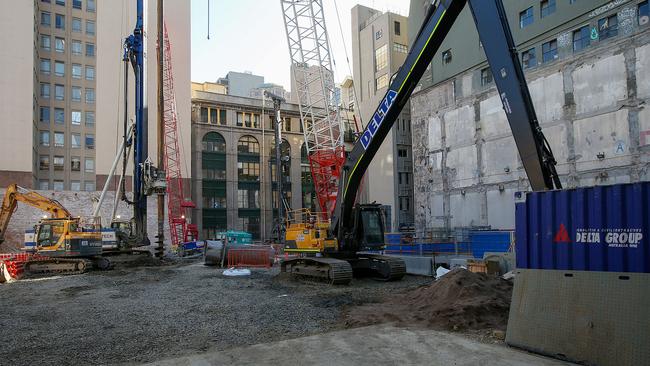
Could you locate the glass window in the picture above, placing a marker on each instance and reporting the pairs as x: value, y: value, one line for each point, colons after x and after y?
x: 59, y: 44
x: 59, y: 139
x: 90, y: 141
x: 90, y: 27
x: 44, y: 138
x: 76, y: 71
x: 76, y: 140
x: 44, y: 114
x: 90, y: 6
x: 59, y: 68
x: 398, y: 28
x: 222, y: 116
x: 75, y: 117
x: 248, y: 145
x: 75, y: 185
x: 75, y: 164
x: 204, y: 115
x: 528, y: 58
x: 76, y: 25
x: 44, y: 162
x: 608, y: 27
x: 446, y: 57
x: 43, y: 185
x: 89, y: 165
x: 644, y: 13
x: 76, y: 4
x: 240, y: 119
x: 248, y: 198
x: 213, y: 116
x: 46, y: 42
x: 401, y: 48
x: 60, y: 21
x: 549, y: 51
x: 286, y: 124
x: 59, y: 116
x: 90, y: 73
x: 381, y: 57
x: 486, y: 76
x: 76, y: 94
x: 247, y: 120
x: 256, y: 121
x: 90, y: 49
x: 60, y: 2
x: 248, y: 171
x: 581, y: 38
x: 379, y: 34
x: 213, y: 142
x: 89, y: 185
x: 547, y: 7
x: 45, y: 66
x: 59, y: 92
x: 90, y: 118
x: 76, y: 47
x: 90, y: 96
x: 381, y: 82
x: 526, y: 17
x: 46, y: 19
x: 45, y: 91
x: 59, y: 162
x: 58, y: 185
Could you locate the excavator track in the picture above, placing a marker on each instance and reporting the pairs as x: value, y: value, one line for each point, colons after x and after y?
x: 60, y: 266
x: 382, y: 267
x: 334, y: 271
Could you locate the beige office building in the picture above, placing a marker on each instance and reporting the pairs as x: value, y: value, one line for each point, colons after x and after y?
x: 61, y: 91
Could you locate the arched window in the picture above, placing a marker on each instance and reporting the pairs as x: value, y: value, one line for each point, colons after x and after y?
x: 248, y: 185
x: 213, y: 142
x: 248, y: 145
x: 213, y: 161
x: 308, y: 191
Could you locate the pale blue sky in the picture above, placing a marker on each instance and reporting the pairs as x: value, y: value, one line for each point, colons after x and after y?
x: 249, y: 35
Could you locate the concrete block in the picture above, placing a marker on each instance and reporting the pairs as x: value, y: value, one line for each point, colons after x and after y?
x: 459, y: 126
x: 500, y: 161
x: 462, y: 165
x: 642, y: 71
x: 466, y: 209
x: 501, y: 209
x: 493, y: 119
x: 548, y: 97
x: 435, y: 132
x: 607, y: 134
x: 600, y: 85
x: 416, y: 265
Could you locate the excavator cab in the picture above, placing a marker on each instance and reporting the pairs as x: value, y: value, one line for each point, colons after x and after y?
x: 369, y: 227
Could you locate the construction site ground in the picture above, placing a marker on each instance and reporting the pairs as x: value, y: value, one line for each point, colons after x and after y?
x: 185, y: 309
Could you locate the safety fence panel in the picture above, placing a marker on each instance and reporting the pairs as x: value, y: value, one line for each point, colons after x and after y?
x: 250, y: 257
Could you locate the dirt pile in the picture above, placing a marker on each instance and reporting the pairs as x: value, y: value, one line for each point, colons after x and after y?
x: 461, y: 300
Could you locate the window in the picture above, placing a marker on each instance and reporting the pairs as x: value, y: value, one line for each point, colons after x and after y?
x: 549, y: 51
x: 608, y: 27
x: 248, y: 198
x: 401, y: 48
x: 75, y: 185
x: 59, y: 162
x: 204, y: 115
x: 59, y: 45
x: 486, y: 76
x: 59, y: 92
x: 381, y: 57
x: 581, y: 38
x: 60, y: 21
x: 59, y: 116
x: 90, y: 96
x: 89, y: 165
x: 60, y: 2
x: 44, y: 115
x: 247, y: 120
x: 381, y: 82
x: 43, y: 185
x: 528, y: 58
x: 213, y: 115
x: 59, y: 68
x: 222, y: 116
x: 89, y: 185
x: 59, y: 139
x: 379, y: 34
x: 44, y: 162
x: 90, y: 141
x: 90, y: 49
x: 76, y: 4
x: 76, y: 71
x: 248, y: 145
x: 45, y: 91
x: 76, y: 47
x: 90, y: 6
x: 398, y: 28
x: 240, y: 119
x: 446, y: 57
x: 526, y: 18
x: 76, y: 94
x: 213, y: 142
x: 644, y: 13
x: 90, y: 27
x: 90, y: 118
x: 76, y: 25
x: 256, y: 120
x: 75, y: 118
x: 286, y: 124
x: 46, y: 19
x: 58, y: 185
x: 75, y: 140
x: 45, y: 66
x: 248, y: 171
x: 90, y: 73
x: 547, y: 7
x: 46, y: 42
x: 402, y: 153
x: 75, y: 164
x: 44, y: 138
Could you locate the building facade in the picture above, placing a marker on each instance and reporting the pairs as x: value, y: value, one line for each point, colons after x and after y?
x: 379, y: 48
x: 586, y: 64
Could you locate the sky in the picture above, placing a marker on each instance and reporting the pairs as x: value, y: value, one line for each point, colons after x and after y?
x: 249, y: 35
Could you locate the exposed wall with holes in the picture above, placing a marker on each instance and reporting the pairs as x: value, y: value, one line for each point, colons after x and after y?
x: 592, y: 107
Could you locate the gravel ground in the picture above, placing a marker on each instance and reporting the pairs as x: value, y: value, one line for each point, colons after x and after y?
x: 133, y: 315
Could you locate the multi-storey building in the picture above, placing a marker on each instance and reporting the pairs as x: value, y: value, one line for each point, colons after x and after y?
x: 379, y: 48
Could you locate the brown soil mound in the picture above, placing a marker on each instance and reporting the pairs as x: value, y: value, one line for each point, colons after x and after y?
x: 461, y: 300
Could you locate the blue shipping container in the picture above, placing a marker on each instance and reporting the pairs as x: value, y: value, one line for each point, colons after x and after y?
x: 489, y: 241
x: 602, y: 228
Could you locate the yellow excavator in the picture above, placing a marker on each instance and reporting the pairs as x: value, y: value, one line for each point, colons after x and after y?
x: 64, y: 244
